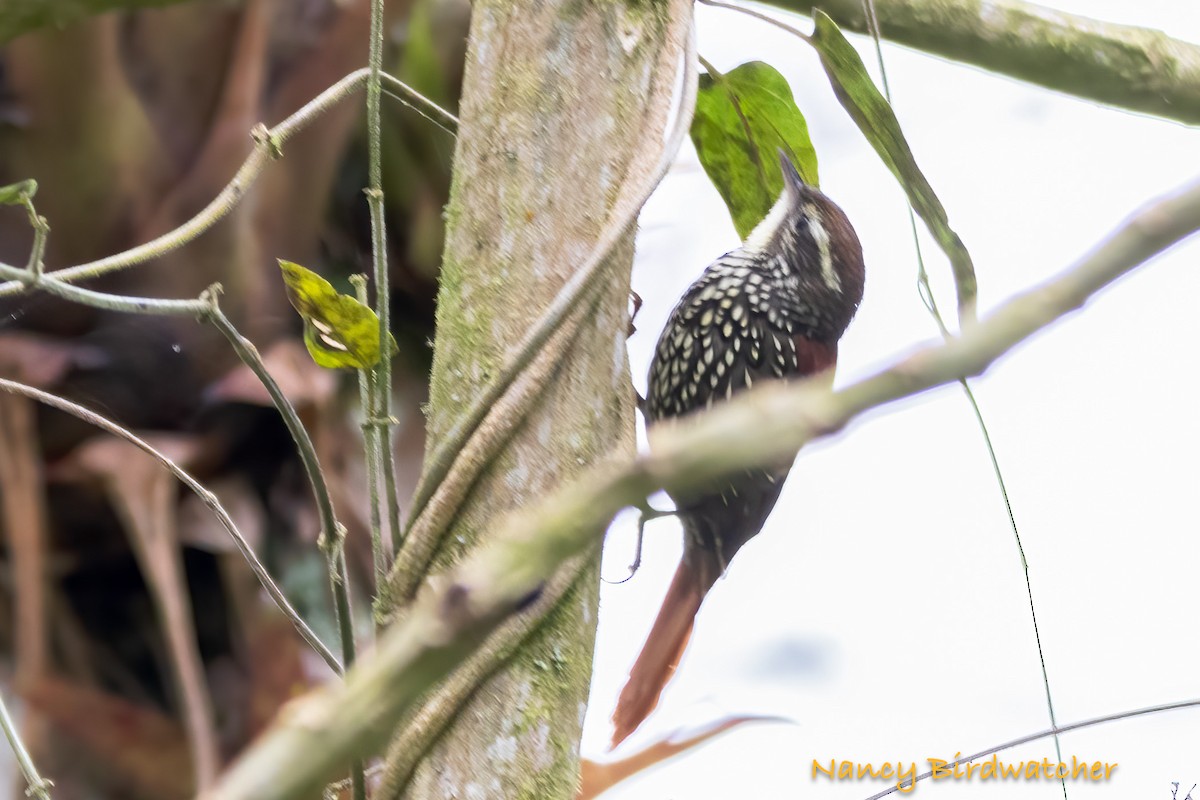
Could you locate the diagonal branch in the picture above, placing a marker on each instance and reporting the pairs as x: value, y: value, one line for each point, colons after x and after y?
x: 329, y: 727
x: 268, y: 143
x: 1133, y: 68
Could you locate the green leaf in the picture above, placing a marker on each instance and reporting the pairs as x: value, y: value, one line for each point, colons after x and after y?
x: 339, y: 331
x: 18, y: 194
x: 874, y: 117
x: 742, y: 118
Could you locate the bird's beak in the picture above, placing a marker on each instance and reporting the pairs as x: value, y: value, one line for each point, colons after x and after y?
x: 792, y: 182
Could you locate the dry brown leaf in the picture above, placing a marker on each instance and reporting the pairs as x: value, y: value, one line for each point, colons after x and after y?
x: 303, y: 383
x: 39, y: 361
x: 597, y: 777
x: 143, y: 493
x: 136, y: 751
x: 200, y: 528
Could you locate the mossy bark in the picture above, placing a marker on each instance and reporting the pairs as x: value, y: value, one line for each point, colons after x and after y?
x: 554, y: 103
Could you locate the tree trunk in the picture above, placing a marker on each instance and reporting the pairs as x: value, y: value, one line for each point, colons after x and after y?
x: 556, y: 102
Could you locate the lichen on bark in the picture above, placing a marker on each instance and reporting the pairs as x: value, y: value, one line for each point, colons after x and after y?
x: 556, y: 102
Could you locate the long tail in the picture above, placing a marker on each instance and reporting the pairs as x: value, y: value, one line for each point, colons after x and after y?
x: 664, y: 647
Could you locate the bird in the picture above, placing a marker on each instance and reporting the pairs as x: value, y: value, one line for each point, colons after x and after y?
x: 774, y: 309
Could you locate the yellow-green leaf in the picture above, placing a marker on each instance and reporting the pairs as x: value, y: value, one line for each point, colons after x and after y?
x: 742, y: 119
x: 339, y: 331
x: 17, y: 194
x: 874, y: 117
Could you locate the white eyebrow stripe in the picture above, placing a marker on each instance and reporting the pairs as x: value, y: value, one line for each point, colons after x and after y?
x: 821, y: 238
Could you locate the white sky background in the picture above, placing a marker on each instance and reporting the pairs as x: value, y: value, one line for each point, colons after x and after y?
x: 883, y: 609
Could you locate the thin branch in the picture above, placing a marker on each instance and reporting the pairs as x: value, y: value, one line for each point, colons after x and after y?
x: 764, y: 426
x: 39, y: 787
x: 366, y: 394
x: 208, y: 498
x: 1033, y: 737
x: 109, y: 302
x: 432, y: 111
x: 380, y: 408
x: 1133, y: 68
x: 332, y: 532
x: 268, y: 144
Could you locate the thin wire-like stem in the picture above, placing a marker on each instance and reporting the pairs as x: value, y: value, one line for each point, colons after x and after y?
x: 41, y: 229
x: 381, y: 416
x: 39, y: 787
x: 421, y: 104
x: 930, y: 302
x: 379, y: 407
x: 1033, y: 737
x: 750, y: 12
x: 367, y: 396
x: 208, y: 498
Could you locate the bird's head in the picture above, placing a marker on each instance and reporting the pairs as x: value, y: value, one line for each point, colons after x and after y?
x: 806, y: 236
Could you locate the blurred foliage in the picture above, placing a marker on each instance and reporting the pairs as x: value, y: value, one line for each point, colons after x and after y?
x: 129, y: 124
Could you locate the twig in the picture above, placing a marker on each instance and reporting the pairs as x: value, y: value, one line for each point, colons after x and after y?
x: 381, y: 406
x: 39, y: 787
x: 762, y: 427
x: 332, y: 532
x: 208, y: 498
x: 367, y: 396
x: 268, y: 143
